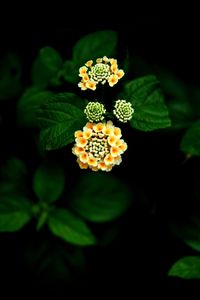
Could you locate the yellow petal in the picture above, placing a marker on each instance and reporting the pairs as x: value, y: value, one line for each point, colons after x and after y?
x: 81, y: 141
x: 89, y: 63
x: 98, y: 127
x: 87, y: 133
x: 115, y: 151
x: 120, y: 74
x: 112, y: 140
x: 78, y: 134
x: 92, y: 161
x: 83, y: 157
x: 108, y: 159
x: 117, y: 132
x: 102, y: 166
x: 91, y: 85
x: 112, y: 80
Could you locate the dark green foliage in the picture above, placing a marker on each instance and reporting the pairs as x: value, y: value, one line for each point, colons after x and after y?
x: 147, y: 99
x: 49, y: 182
x: 187, y: 268
x: 189, y: 232
x: 191, y: 140
x: 15, y: 212
x: 59, y: 120
x: 10, y: 76
x: 95, y: 45
x: 91, y: 46
x: 46, y: 68
x: 100, y: 197
x: 70, y: 228
x: 29, y: 103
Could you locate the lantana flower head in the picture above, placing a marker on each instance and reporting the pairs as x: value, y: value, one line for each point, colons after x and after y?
x: 104, y: 70
x: 99, y: 146
x: 95, y: 111
x: 123, y: 110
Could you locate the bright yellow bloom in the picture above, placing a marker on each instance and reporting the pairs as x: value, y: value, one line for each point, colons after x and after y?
x: 91, y: 85
x: 99, y: 146
x: 83, y: 71
x: 114, y: 68
x: 99, y: 60
x: 87, y: 132
x: 120, y: 74
x: 104, y: 70
x: 81, y: 142
x: 112, y: 80
x: 81, y: 164
x: 89, y: 63
x: 82, y: 85
x: 83, y: 157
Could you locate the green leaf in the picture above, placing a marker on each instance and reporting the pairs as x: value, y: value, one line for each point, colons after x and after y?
x: 191, y: 140
x: 15, y: 212
x: 60, y: 121
x: 49, y: 182
x: 187, y: 268
x: 181, y: 113
x: 70, y: 228
x: 71, y: 71
x: 189, y: 232
x: 42, y: 219
x: 13, y: 170
x: 150, y: 110
x: 10, y: 76
x: 100, y: 197
x: 29, y: 103
x: 12, y: 177
x: 95, y: 45
x: 46, y: 66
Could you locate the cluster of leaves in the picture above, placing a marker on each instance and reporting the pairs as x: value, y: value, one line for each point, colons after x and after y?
x: 184, y: 111
x: 49, y: 185
x: 60, y: 114
x: 54, y: 105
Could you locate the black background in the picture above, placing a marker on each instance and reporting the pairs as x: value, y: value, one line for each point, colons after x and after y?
x: 142, y: 254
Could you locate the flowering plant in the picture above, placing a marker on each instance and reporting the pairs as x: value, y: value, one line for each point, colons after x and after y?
x: 82, y: 116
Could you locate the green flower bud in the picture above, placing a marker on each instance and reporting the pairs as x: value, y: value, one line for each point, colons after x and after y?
x: 94, y: 111
x: 123, y: 110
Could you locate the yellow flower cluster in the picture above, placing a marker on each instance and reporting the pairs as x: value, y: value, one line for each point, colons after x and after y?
x: 105, y: 69
x: 99, y: 146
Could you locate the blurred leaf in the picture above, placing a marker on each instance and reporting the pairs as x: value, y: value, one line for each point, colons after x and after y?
x: 46, y: 66
x: 11, y: 188
x: 95, y: 45
x: 10, y: 75
x: 189, y: 232
x: 61, y: 121
x: 100, y: 197
x: 150, y: 110
x: 181, y: 113
x: 187, y: 268
x: 76, y: 258
x: 42, y: 219
x: 49, y: 182
x: 15, y: 212
x: 172, y: 85
x: 191, y: 140
x: 12, y: 175
x: 28, y: 104
x: 48, y: 260
x: 13, y: 170
x: 70, y: 228
x: 70, y: 71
